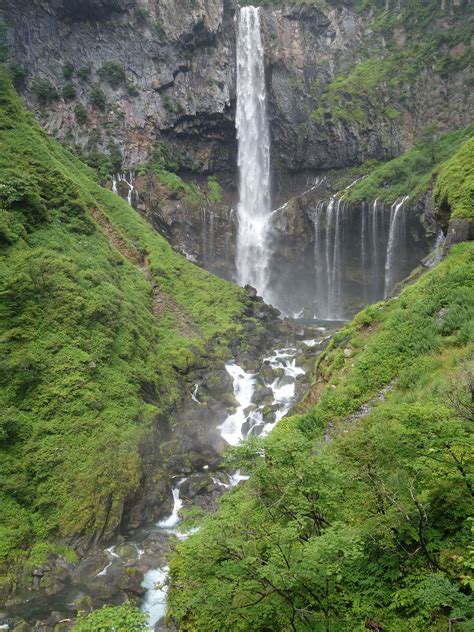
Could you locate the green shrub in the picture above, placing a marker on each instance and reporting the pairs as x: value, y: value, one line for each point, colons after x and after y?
x: 69, y: 92
x: 113, y: 73
x: 84, y: 72
x: 80, y: 114
x: 18, y: 72
x: 214, y: 189
x: 120, y: 618
x: 98, y: 98
x: 44, y: 91
x: 68, y: 70
x: 141, y: 13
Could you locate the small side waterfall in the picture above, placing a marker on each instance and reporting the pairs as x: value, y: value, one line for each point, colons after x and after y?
x: 129, y: 180
x: 395, y: 237
x: 254, y: 209
x: 360, y: 253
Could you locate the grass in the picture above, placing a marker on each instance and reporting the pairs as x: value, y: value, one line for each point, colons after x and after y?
x: 89, y: 367
x: 455, y: 185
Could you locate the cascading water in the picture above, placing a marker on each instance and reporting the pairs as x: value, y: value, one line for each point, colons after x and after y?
x: 360, y: 253
x: 395, y: 237
x: 253, y: 136
x: 129, y: 181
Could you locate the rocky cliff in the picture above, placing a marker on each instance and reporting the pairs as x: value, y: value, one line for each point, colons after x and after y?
x: 123, y: 81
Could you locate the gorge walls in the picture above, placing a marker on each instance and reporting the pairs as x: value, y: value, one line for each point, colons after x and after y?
x: 151, y: 86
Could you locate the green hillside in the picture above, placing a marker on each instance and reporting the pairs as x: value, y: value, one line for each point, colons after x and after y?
x: 99, y: 317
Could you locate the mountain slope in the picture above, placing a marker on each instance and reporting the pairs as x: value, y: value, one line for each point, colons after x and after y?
x: 99, y: 320
x: 356, y: 515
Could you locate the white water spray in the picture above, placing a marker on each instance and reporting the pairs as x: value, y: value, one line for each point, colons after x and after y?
x: 253, y: 136
x: 394, y: 239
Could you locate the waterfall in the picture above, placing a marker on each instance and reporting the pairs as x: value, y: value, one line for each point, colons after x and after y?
x: 360, y: 253
x: 129, y: 181
x: 363, y: 251
x: 253, y: 154
x: 395, y: 239
x: 335, y: 295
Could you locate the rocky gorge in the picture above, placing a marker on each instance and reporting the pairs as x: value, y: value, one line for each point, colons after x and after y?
x: 320, y: 151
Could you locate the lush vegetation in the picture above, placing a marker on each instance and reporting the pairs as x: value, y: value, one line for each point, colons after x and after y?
x: 455, y: 184
x: 164, y: 165
x: 123, y: 618
x: 356, y: 515
x: 413, y: 172
x: 99, y: 319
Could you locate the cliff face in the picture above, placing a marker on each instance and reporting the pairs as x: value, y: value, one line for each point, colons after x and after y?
x: 117, y: 79
x: 342, y: 92
x: 176, y: 78
x: 173, y: 75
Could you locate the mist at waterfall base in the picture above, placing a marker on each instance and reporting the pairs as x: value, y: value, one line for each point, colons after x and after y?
x: 351, y: 255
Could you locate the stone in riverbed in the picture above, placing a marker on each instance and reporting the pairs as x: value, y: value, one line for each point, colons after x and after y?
x: 262, y: 394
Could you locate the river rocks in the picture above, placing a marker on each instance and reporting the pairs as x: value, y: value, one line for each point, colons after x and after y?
x: 218, y: 383
x: 262, y: 394
x: 89, y: 567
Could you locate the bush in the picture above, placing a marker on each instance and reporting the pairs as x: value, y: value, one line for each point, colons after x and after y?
x: 84, y: 72
x: 98, y: 98
x: 69, y: 92
x: 68, y: 70
x: 141, y: 13
x: 113, y: 73
x: 44, y: 91
x: 81, y: 114
x: 108, y: 618
x: 18, y: 72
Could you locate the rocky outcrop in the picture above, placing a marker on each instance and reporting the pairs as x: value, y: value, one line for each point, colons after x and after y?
x: 175, y: 74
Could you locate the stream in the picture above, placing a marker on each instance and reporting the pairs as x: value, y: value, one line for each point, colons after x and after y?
x: 277, y: 379
x: 255, y: 392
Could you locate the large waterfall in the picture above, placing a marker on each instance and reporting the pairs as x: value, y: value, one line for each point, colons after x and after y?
x: 253, y: 136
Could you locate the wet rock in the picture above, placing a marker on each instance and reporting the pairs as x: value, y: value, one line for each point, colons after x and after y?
x: 89, y: 567
x: 126, y: 552
x: 38, y: 574
x: 218, y: 383
x: 131, y: 582
x: 267, y: 373
x: 197, y: 485
x: 52, y: 583
x: 262, y: 394
x: 230, y: 401
x: 269, y: 414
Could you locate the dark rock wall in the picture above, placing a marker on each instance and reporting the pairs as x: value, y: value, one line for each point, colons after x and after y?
x: 180, y: 57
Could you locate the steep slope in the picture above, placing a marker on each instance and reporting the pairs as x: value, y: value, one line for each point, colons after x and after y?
x: 100, y: 322
x: 356, y: 515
